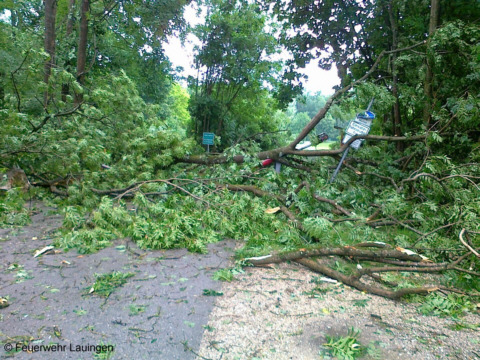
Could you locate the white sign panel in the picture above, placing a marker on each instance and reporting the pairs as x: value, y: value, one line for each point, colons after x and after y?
x: 357, y: 126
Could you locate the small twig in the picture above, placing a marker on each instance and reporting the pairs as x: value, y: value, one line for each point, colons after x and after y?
x: 406, y: 226
x: 333, y: 203
x: 434, y: 231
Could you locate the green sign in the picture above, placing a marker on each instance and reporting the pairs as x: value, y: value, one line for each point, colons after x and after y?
x: 208, y: 138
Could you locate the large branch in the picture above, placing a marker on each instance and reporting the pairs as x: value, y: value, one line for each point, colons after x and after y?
x: 286, y: 150
x: 346, y: 251
x: 291, y: 151
x: 53, y: 116
x: 400, y: 261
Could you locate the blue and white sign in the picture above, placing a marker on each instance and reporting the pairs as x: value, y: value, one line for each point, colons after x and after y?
x: 359, y: 126
x: 208, y: 138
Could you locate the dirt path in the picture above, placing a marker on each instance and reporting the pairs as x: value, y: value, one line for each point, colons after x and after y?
x: 157, y: 314
x: 276, y: 313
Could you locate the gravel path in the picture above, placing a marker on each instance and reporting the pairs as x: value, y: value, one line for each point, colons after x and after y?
x: 271, y: 313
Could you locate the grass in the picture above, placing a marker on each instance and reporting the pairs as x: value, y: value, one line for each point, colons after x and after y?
x: 105, y: 353
x: 325, y: 145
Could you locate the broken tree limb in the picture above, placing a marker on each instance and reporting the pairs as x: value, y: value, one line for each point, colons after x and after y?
x: 278, y: 153
x: 306, y: 185
x: 397, y: 260
x: 292, y: 217
x: 359, y: 285
x: 275, y: 153
x: 346, y: 251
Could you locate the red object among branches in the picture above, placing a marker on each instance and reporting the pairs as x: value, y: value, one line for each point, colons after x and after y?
x: 267, y: 162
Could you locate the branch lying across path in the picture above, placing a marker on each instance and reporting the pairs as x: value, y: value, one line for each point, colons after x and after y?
x: 305, y: 184
x: 347, y: 251
x: 399, y: 260
x: 210, y: 160
x: 278, y: 153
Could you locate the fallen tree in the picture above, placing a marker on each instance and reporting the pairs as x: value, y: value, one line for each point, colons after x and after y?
x: 305, y: 204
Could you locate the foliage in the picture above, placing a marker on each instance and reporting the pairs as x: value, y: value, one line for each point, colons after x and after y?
x: 235, y: 64
x: 105, y: 284
x: 228, y: 274
x: 12, y: 209
x: 451, y: 305
x: 345, y: 347
x: 210, y: 292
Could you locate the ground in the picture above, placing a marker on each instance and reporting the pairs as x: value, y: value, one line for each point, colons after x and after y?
x: 161, y: 311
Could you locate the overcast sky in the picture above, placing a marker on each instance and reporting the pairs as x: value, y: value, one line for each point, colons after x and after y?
x: 318, y: 79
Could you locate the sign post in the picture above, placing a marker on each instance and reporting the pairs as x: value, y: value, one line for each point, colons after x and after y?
x: 208, y: 140
x: 359, y: 126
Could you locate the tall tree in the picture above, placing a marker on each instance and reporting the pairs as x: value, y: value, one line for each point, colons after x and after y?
x: 397, y: 120
x: 234, y: 64
x: 68, y: 34
x: 49, y: 43
x: 82, y: 42
x: 428, y: 84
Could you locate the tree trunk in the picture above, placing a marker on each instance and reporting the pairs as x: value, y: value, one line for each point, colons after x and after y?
x: 70, y: 22
x: 82, y: 47
x: 49, y: 43
x: 397, y: 121
x: 428, y: 85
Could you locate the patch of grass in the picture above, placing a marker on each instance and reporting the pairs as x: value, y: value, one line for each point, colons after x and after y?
x: 208, y: 328
x: 105, y: 284
x: 345, y: 347
x: 458, y: 326
x: 316, y: 292
x: 228, y: 274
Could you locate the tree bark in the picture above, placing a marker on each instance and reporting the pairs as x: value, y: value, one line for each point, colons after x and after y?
x: 397, y: 121
x: 49, y: 43
x: 82, y: 47
x: 70, y: 22
x: 428, y: 85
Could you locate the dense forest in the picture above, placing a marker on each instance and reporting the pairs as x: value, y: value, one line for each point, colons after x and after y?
x: 97, y: 122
